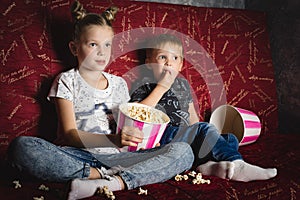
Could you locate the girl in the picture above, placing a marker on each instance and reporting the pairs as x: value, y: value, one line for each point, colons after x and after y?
x: 85, y: 99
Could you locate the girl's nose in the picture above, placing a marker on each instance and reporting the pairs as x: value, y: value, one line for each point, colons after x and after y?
x: 100, y: 51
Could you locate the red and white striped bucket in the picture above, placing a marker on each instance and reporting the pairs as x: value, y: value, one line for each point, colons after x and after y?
x: 152, y: 131
x: 243, y: 123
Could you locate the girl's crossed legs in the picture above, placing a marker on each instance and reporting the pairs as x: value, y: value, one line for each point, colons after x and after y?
x: 47, y: 161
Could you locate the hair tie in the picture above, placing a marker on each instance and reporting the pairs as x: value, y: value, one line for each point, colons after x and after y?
x: 111, y: 17
x: 80, y: 15
x: 78, y: 11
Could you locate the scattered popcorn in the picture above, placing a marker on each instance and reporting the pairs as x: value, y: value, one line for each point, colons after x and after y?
x: 199, y: 176
x: 141, y: 191
x: 200, y: 180
x: 38, y: 198
x: 17, y: 184
x: 194, y: 181
x: 178, y: 177
x: 104, y: 190
x: 185, y: 177
x: 197, y: 180
x: 43, y: 187
x: 192, y: 173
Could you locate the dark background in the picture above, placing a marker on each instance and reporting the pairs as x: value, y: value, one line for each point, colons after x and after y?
x: 284, y: 30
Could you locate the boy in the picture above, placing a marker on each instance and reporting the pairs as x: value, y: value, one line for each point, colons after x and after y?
x: 215, y: 154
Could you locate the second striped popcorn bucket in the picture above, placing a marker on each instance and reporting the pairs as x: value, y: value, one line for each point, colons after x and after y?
x: 243, y: 123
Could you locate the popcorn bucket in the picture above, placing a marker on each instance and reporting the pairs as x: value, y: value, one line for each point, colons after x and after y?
x: 153, y: 127
x: 243, y: 123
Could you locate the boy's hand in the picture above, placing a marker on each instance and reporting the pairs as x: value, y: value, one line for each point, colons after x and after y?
x: 130, y: 136
x: 168, y: 77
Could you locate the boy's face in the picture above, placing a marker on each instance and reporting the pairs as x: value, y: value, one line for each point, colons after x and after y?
x: 168, y: 55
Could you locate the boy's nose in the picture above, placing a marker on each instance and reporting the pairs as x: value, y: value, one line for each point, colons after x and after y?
x: 168, y: 63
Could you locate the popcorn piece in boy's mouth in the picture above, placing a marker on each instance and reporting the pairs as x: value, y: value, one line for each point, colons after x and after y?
x: 17, y: 184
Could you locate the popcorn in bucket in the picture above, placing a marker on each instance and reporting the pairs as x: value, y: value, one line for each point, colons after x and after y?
x: 152, y: 122
x: 243, y: 123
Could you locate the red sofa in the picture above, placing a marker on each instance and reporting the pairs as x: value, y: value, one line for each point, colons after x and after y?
x: 228, y: 61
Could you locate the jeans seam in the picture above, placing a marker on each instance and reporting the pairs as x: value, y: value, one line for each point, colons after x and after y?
x: 126, y: 179
x: 86, y: 170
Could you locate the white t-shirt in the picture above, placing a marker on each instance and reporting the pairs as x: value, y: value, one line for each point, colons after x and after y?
x: 95, y: 110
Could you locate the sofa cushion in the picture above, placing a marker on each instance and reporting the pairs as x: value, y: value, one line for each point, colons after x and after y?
x: 227, y: 58
x: 231, y: 57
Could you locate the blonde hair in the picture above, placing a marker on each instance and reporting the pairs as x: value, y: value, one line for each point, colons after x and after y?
x: 157, y: 42
x: 82, y: 18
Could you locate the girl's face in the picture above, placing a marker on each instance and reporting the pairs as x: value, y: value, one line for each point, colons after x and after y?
x: 93, y: 50
x: 168, y: 55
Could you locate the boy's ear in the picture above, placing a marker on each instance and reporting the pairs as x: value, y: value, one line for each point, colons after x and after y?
x: 73, y: 48
x: 147, y: 63
x: 181, y: 65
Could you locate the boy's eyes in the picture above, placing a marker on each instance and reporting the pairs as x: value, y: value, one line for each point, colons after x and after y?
x: 162, y: 57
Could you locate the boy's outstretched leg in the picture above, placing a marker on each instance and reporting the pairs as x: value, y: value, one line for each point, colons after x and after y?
x: 237, y: 170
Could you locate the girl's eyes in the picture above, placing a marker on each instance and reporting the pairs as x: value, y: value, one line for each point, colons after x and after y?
x: 108, y: 44
x: 93, y: 44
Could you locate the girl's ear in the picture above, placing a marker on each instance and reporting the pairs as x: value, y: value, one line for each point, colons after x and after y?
x: 73, y: 48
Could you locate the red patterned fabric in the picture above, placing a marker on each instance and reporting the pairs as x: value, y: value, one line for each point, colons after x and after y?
x: 227, y: 51
x: 227, y: 61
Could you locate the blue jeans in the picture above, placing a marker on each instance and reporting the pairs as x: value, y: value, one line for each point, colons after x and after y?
x: 47, y: 161
x: 207, y: 143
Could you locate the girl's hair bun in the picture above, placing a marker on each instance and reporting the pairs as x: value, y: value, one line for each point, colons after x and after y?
x: 110, y: 13
x: 77, y: 10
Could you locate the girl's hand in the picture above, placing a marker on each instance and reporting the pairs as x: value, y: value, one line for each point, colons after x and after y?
x: 130, y: 136
x: 156, y: 145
